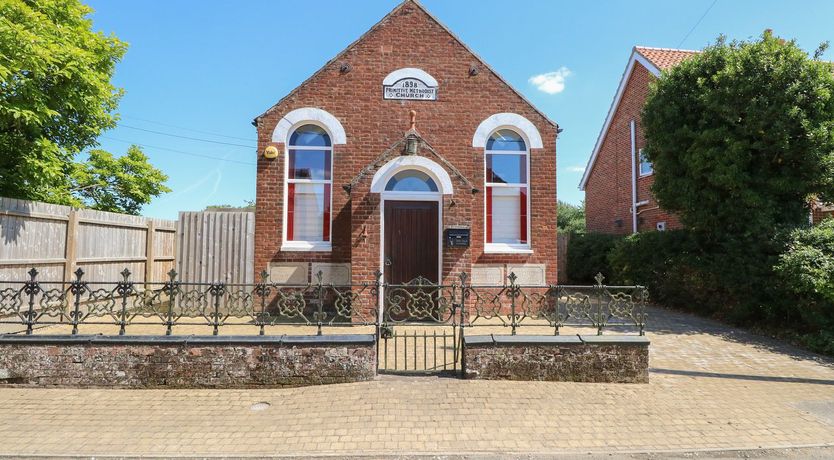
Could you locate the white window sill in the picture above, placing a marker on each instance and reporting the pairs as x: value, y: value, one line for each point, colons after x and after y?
x: 307, y: 246
x: 645, y: 175
x: 503, y: 248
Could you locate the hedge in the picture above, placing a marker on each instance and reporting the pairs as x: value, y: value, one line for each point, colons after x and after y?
x: 588, y: 255
x: 783, y: 285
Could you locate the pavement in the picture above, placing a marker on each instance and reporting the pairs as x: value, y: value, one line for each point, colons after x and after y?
x: 714, y: 392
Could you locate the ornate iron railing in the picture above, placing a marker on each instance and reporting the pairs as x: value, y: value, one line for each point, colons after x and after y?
x: 127, y: 304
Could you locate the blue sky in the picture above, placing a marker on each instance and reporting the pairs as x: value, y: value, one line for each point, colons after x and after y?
x: 205, y: 69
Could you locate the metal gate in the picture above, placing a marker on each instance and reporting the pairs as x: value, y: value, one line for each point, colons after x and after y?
x: 419, y: 329
x: 428, y: 349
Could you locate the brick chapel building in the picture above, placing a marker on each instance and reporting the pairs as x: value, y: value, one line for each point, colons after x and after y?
x: 618, y: 179
x: 406, y: 153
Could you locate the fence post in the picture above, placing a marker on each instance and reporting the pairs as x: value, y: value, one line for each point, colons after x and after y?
x: 262, y: 290
x: 216, y: 290
x: 463, y: 318
x: 319, y: 315
x: 150, y: 255
x: 172, y: 287
x: 600, y: 290
x: 70, y: 252
x: 124, y: 288
x: 32, y: 288
x: 77, y: 287
x: 513, y: 292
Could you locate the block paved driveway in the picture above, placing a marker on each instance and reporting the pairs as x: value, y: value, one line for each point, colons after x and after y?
x: 712, y: 388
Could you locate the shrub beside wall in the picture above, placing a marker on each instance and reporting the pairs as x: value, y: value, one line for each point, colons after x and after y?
x: 588, y: 255
x: 784, y: 285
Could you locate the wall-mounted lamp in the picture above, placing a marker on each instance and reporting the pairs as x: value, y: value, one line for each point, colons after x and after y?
x: 412, y: 144
x: 271, y: 152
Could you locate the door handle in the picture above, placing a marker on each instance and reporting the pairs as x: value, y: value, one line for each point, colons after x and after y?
x: 388, y: 262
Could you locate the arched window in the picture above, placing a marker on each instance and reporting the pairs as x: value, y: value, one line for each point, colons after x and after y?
x: 309, y: 182
x: 411, y: 180
x: 507, y: 192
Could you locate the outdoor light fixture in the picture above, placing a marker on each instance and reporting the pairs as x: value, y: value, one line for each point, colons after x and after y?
x: 271, y: 152
x: 411, y: 145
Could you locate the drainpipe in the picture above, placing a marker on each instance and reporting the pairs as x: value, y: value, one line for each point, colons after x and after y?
x: 633, y: 177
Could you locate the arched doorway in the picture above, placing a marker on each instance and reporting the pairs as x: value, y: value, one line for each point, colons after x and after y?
x: 411, y: 214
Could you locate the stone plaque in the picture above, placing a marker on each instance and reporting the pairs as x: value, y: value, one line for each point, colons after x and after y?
x: 487, y: 275
x: 336, y: 274
x: 528, y: 274
x: 288, y: 272
x: 410, y: 88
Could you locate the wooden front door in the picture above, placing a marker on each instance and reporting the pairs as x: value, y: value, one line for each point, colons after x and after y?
x: 411, y: 241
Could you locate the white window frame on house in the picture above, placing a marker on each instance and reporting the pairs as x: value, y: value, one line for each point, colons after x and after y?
x: 644, y: 161
x: 508, y: 248
x: 304, y: 245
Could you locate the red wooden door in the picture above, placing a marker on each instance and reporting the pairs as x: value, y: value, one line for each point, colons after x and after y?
x: 411, y: 241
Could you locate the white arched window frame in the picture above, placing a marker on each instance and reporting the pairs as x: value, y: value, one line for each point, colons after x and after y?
x: 507, y: 219
x: 308, y: 190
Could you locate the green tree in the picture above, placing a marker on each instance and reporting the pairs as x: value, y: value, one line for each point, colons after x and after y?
x: 570, y: 217
x: 121, y: 184
x: 56, y: 98
x: 741, y: 136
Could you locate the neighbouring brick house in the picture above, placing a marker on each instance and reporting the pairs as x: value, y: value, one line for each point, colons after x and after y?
x: 351, y: 180
x: 821, y: 211
x: 617, y: 180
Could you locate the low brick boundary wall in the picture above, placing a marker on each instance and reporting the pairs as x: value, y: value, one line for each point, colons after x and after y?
x: 611, y: 359
x: 186, y: 361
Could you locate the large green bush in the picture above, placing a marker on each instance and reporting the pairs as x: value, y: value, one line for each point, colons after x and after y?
x: 806, y: 269
x: 588, y: 255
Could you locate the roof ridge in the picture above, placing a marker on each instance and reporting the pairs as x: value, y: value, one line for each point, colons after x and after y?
x: 378, y: 24
x: 665, y: 49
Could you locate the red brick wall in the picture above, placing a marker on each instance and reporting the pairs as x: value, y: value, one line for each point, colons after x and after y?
x: 608, y: 191
x: 818, y: 214
x: 409, y: 38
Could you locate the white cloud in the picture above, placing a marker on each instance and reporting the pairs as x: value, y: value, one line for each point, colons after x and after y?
x: 576, y: 169
x: 551, y: 82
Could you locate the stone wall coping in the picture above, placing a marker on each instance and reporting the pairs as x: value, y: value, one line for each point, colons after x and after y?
x: 616, y: 339
x: 554, y: 339
x: 338, y: 339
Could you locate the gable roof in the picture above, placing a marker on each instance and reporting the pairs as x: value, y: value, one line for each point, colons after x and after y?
x: 664, y: 58
x: 655, y: 60
x: 376, y: 26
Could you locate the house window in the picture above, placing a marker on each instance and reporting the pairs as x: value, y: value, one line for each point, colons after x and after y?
x: 646, y: 167
x: 507, y: 192
x: 309, y: 182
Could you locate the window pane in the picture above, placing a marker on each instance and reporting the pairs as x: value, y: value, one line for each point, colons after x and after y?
x: 411, y: 181
x: 505, y: 139
x: 311, y: 136
x: 309, y: 164
x: 506, y: 169
x: 646, y: 166
x: 306, y: 216
x: 506, y: 218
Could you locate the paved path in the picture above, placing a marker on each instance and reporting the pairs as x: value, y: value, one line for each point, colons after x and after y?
x: 711, y: 388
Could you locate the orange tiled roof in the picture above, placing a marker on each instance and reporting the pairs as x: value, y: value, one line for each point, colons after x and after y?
x: 664, y: 58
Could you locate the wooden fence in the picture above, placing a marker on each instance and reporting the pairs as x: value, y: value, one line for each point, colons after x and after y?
x: 216, y: 246
x: 58, y: 239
